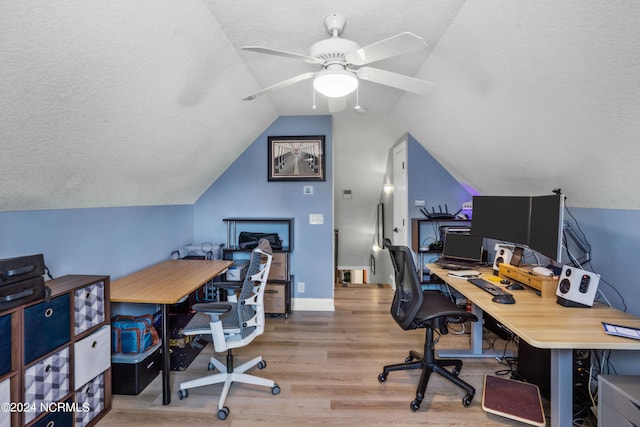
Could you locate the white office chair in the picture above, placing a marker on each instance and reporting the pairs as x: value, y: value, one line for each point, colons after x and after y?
x: 233, y: 324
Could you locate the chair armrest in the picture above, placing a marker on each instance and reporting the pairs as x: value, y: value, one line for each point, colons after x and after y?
x: 212, y: 307
x: 227, y: 285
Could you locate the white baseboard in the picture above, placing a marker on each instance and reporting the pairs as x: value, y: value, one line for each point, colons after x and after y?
x: 312, y: 304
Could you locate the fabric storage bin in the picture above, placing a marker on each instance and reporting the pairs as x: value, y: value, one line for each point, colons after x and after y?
x: 131, y: 373
x: 92, y: 355
x: 5, y: 396
x: 88, y: 307
x: 56, y: 419
x: 91, y: 396
x: 47, y: 325
x: 5, y: 344
x: 46, y: 381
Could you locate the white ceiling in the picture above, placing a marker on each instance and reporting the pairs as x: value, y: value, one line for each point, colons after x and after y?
x: 126, y: 103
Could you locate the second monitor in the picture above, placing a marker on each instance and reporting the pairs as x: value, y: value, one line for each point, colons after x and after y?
x: 463, y: 247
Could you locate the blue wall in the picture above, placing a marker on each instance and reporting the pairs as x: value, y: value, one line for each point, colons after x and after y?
x: 243, y: 191
x: 111, y: 241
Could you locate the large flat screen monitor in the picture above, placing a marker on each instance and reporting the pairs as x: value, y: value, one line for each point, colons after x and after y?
x: 503, y: 218
x: 463, y: 247
x: 545, y: 229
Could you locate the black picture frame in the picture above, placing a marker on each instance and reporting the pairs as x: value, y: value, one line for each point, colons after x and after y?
x: 380, y: 225
x: 296, y: 158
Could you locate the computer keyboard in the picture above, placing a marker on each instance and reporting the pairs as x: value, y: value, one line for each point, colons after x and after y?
x: 499, y: 295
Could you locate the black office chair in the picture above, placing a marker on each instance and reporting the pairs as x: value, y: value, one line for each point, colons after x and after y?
x: 414, y: 308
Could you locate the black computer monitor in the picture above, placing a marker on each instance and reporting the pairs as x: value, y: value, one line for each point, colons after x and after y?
x: 545, y: 229
x: 463, y: 247
x: 503, y: 218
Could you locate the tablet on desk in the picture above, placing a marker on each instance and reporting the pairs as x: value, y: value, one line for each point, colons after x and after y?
x: 621, y: 331
x: 465, y: 273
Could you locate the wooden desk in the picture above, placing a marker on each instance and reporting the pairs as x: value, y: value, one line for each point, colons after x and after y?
x: 166, y: 283
x: 545, y: 324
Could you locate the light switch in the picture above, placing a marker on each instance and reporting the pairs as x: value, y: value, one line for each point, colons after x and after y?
x: 316, y: 218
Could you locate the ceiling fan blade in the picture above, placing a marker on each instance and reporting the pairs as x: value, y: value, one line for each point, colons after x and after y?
x: 398, y: 81
x: 387, y: 48
x: 279, y: 85
x: 337, y: 104
x: 277, y: 52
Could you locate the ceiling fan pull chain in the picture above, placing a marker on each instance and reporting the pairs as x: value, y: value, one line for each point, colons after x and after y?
x: 357, y: 107
x: 314, y: 97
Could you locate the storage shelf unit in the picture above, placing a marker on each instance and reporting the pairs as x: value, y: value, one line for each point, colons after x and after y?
x: 59, y: 351
x: 277, y: 297
x: 420, y: 236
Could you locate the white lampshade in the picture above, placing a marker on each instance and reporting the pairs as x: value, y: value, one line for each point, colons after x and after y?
x: 335, y: 83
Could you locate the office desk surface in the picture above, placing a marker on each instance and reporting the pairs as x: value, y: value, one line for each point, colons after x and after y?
x: 542, y: 322
x: 166, y: 282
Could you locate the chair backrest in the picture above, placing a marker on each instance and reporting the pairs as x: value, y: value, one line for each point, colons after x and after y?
x: 408, y: 296
x: 250, y: 307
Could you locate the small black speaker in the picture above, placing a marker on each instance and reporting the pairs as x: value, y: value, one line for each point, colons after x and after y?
x: 503, y: 255
x: 576, y: 287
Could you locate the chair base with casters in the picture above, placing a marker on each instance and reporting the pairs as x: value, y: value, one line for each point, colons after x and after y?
x: 229, y: 374
x: 428, y: 363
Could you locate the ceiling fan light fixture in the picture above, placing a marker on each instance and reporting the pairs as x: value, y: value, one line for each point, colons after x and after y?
x: 335, y: 83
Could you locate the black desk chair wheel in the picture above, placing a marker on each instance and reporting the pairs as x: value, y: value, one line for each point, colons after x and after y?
x: 414, y: 308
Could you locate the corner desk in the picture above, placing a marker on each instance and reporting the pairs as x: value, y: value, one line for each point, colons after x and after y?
x: 166, y: 283
x: 543, y: 323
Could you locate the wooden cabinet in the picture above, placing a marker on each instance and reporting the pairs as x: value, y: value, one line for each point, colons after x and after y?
x: 618, y: 400
x: 55, y: 359
x: 278, y: 291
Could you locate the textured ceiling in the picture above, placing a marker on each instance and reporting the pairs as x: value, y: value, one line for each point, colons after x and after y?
x: 125, y: 103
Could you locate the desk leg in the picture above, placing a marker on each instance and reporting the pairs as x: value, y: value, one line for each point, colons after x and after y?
x: 166, y: 360
x: 476, y: 341
x: 561, y: 387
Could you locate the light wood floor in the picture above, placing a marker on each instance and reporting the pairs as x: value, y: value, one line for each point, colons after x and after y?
x: 326, y: 364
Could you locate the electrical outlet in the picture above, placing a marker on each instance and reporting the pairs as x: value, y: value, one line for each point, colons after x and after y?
x: 301, y: 287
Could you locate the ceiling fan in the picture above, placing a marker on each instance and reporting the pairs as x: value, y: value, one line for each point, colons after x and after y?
x: 342, y: 63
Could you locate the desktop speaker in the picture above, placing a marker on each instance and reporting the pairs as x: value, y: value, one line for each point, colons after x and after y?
x: 576, y: 288
x: 503, y: 255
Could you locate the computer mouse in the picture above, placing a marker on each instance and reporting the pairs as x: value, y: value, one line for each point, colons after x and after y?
x: 515, y: 286
x: 504, y: 299
x: 505, y: 281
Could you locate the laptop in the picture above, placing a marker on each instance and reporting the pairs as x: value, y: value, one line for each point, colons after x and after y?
x: 461, y: 250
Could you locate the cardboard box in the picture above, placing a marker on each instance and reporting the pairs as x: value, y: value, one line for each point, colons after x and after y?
x: 279, y: 269
x: 274, y: 298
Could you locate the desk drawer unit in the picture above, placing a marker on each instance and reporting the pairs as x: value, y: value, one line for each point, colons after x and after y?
x: 47, y: 325
x: 618, y: 400
x: 92, y: 355
x: 90, y: 396
x: 88, y: 307
x: 47, y: 381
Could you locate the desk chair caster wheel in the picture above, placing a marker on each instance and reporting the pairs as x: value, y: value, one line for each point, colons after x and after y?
x: 223, y: 413
x: 275, y: 390
x: 261, y: 364
x: 456, y: 370
x: 382, y: 378
x: 415, y: 405
x: 466, y: 401
x: 409, y: 359
x: 210, y: 367
x: 183, y: 394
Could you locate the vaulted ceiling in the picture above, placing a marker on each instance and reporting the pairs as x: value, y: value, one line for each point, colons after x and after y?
x: 127, y: 103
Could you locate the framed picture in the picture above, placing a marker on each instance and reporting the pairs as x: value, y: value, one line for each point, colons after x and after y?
x: 296, y: 158
x: 380, y: 225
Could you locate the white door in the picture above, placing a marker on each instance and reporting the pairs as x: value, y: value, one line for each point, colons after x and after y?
x: 400, y: 196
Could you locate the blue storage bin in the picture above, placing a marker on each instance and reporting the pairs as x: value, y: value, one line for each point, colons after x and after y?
x: 56, y: 419
x: 47, y: 325
x: 5, y: 344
